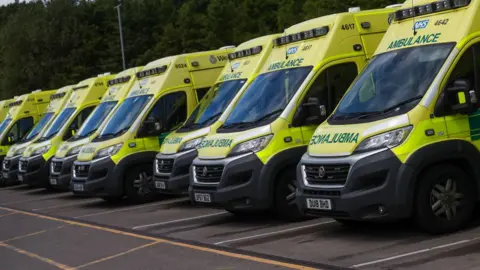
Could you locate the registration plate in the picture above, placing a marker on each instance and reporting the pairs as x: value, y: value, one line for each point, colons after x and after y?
x: 160, y: 185
x: 5, y: 175
x: 77, y: 187
x: 203, y: 197
x: 20, y: 178
x: 53, y: 181
x: 319, y: 204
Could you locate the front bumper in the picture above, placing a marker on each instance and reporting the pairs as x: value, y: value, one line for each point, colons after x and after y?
x: 10, y: 170
x: 370, y: 189
x: 240, y: 184
x: 96, y: 178
x: 34, y: 171
x: 171, y: 173
x: 61, y: 172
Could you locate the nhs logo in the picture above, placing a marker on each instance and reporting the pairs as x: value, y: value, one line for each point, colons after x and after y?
x: 420, y: 25
x: 292, y: 50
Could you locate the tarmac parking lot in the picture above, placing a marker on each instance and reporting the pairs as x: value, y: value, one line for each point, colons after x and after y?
x: 40, y: 229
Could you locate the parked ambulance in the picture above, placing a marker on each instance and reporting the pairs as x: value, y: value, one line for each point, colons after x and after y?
x: 34, y: 164
x: 248, y: 164
x: 118, y: 88
x: 404, y: 141
x: 10, y: 164
x: 118, y: 162
x: 172, y: 164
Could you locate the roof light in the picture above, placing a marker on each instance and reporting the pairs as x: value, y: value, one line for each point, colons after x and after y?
x: 434, y: 7
x: 245, y: 53
x: 195, y: 64
x: 365, y: 25
x: 118, y: 80
x: 79, y: 87
x: 15, y: 103
x: 354, y: 9
x: 228, y: 47
x: 57, y: 95
x: 153, y: 71
x: 309, y: 34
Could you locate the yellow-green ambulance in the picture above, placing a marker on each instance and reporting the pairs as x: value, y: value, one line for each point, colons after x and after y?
x: 4, y: 108
x: 118, y: 88
x: 118, y: 163
x: 172, y: 164
x: 10, y: 163
x: 404, y: 140
x: 24, y: 112
x: 248, y: 164
x: 34, y: 164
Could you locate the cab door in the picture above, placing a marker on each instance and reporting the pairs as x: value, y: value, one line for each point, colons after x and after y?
x: 328, y: 87
x: 465, y: 68
x: 168, y: 113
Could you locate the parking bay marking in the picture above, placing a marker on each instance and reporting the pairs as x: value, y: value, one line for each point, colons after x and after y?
x: 177, y: 221
x: 178, y: 243
x: 415, y: 253
x: 36, y: 256
x: 33, y: 200
x: 67, y: 204
x: 275, y: 232
x: 134, y: 207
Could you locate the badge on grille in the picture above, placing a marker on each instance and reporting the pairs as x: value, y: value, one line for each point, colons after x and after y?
x: 321, y: 172
x: 205, y: 171
x: 161, y: 164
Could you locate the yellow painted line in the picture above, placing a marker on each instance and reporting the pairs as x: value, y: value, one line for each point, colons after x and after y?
x: 36, y: 256
x: 116, y: 255
x: 9, y: 214
x: 173, y: 243
x: 30, y: 234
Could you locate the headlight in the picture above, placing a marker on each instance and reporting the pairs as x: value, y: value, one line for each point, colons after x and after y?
x: 74, y: 151
x: 42, y: 150
x: 19, y: 151
x: 190, y: 144
x: 254, y: 145
x: 385, y: 140
x: 108, y: 151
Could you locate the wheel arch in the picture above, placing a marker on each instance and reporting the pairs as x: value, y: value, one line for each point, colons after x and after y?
x: 141, y: 158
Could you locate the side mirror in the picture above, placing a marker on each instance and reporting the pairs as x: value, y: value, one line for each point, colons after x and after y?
x: 150, y: 126
x: 462, y: 98
x: 10, y: 138
x: 316, y: 113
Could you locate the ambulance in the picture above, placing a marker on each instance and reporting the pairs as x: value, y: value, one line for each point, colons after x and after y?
x: 118, y: 88
x: 34, y: 164
x: 404, y: 141
x: 248, y: 164
x: 10, y: 163
x: 171, y: 167
x: 24, y: 112
x: 118, y: 162
x: 4, y: 108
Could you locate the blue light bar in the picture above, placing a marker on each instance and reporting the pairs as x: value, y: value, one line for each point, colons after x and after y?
x: 309, y: 34
x: 153, y: 71
x: 58, y: 95
x: 245, y: 53
x: 118, y: 80
x: 434, y: 7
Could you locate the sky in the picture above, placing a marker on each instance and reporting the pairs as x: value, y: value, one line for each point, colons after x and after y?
x: 5, y: 2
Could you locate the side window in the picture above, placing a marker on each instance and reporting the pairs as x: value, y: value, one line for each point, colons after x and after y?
x: 332, y: 83
x: 201, y: 92
x: 18, y: 130
x: 168, y: 113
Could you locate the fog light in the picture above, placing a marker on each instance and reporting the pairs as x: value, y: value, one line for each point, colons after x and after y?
x: 382, y: 210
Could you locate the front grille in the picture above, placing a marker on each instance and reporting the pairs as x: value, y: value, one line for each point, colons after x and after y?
x: 57, y: 166
x: 208, y: 173
x: 81, y: 170
x: 23, y: 165
x: 6, y: 164
x: 164, y: 165
x: 327, y: 175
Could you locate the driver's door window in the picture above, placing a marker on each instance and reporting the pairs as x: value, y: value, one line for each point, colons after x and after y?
x: 78, y: 121
x: 168, y: 113
x: 18, y: 131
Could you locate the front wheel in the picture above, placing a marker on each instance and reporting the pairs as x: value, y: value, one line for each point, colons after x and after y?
x: 445, y: 199
x: 285, y: 197
x: 138, y: 185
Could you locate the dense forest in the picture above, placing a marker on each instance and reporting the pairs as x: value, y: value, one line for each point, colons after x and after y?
x: 48, y: 44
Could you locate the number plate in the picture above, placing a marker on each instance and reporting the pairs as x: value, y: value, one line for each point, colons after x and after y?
x: 5, y: 175
x: 319, y: 204
x: 160, y: 185
x: 20, y: 178
x: 53, y: 181
x: 203, y: 197
x: 77, y: 187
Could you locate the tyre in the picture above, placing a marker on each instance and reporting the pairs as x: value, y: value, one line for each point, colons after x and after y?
x: 444, y: 199
x: 285, y: 206
x: 139, y: 184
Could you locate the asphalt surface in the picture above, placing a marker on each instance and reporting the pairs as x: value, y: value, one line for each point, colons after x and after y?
x: 56, y: 230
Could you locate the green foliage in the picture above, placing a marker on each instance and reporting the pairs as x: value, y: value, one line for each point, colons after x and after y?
x: 51, y: 43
